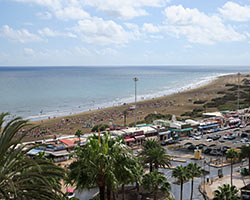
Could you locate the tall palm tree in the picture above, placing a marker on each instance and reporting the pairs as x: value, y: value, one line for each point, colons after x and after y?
x: 125, y: 113
x: 193, y: 171
x: 245, y: 153
x: 226, y: 192
x: 22, y: 177
x: 79, y: 133
x: 155, y: 181
x: 231, y: 154
x: 96, y: 164
x: 181, y: 174
x: 128, y: 170
x: 154, y: 155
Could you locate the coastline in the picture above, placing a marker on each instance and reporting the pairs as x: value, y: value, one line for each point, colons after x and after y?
x: 176, y: 104
x: 126, y: 100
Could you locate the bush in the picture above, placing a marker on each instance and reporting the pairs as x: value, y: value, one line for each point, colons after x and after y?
x: 200, y: 102
x: 151, y: 117
x: 102, y: 127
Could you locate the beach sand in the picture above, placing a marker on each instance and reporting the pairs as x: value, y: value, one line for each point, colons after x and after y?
x: 176, y: 104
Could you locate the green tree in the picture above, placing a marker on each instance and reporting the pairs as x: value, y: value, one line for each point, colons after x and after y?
x: 79, y: 134
x: 22, y: 177
x: 128, y: 171
x: 125, y: 113
x: 154, y: 182
x: 245, y: 153
x: 226, y: 192
x: 231, y: 154
x: 193, y: 171
x: 154, y: 155
x: 181, y: 174
x: 97, y: 164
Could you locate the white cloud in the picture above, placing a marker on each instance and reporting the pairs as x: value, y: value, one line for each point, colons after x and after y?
x: 150, y: 28
x: 197, y: 26
x: 29, y: 52
x: 106, y: 52
x: 44, y: 15
x: 47, y: 32
x: 188, y: 46
x: 235, y: 12
x: 125, y: 9
x: 98, y: 31
x: 22, y: 35
x: 71, y: 13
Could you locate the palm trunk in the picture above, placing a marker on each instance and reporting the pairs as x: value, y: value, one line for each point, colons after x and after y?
x: 125, y: 120
x: 155, y: 195
x: 109, y: 191
x: 150, y: 167
x: 231, y: 172
x: 192, y: 188
x: 102, y: 192
x: 181, y: 189
x: 249, y: 164
x: 123, y: 192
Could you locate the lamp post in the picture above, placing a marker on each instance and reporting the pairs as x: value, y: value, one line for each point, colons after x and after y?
x: 135, y: 80
x: 238, y: 93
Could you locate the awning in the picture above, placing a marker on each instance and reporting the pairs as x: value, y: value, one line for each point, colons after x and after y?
x: 164, y: 133
x: 140, y: 137
x: 129, y: 139
x: 182, y: 130
x: 33, y: 152
x: 208, y: 126
x: 59, y: 153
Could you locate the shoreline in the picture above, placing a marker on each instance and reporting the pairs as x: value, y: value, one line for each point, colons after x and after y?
x: 175, y: 104
x: 126, y: 100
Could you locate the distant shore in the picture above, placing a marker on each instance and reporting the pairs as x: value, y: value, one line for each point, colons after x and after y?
x: 175, y: 104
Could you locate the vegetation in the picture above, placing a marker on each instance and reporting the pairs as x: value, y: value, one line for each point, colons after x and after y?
x: 79, y: 133
x: 231, y: 154
x: 181, y: 174
x: 226, y: 192
x: 155, y: 181
x: 200, y: 101
x: 245, y: 153
x: 193, y: 171
x: 101, y: 127
x: 104, y: 164
x: 151, y: 117
x: 22, y: 177
x: 154, y: 155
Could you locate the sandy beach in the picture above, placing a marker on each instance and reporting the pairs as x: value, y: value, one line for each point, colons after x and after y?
x: 175, y: 104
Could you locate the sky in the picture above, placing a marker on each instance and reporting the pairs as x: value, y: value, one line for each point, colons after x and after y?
x: 124, y: 32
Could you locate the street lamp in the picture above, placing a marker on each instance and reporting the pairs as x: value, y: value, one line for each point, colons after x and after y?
x: 238, y: 93
x: 135, y: 80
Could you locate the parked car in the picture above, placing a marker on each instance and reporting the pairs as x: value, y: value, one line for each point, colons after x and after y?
x: 244, y: 140
x: 197, y: 137
x: 244, y: 135
x: 209, y: 140
x: 231, y: 137
x: 216, y: 137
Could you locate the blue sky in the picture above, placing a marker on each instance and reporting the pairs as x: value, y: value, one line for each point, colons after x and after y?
x: 124, y: 32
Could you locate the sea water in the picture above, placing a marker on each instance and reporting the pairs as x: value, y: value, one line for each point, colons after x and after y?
x: 41, y: 92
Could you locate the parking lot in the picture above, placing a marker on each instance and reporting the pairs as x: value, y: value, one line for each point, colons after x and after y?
x: 217, y: 143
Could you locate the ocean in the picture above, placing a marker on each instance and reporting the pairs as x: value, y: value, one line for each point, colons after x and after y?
x: 40, y: 92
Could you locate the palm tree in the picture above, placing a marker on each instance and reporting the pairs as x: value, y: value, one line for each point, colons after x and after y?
x: 181, y: 174
x: 79, y: 134
x: 154, y: 155
x: 128, y: 170
x: 125, y: 113
x: 20, y: 176
x: 155, y: 181
x: 245, y: 153
x: 193, y: 171
x: 231, y: 154
x: 97, y: 162
x: 226, y: 192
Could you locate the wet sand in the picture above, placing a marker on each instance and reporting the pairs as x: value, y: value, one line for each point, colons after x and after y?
x: 176, y: 104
